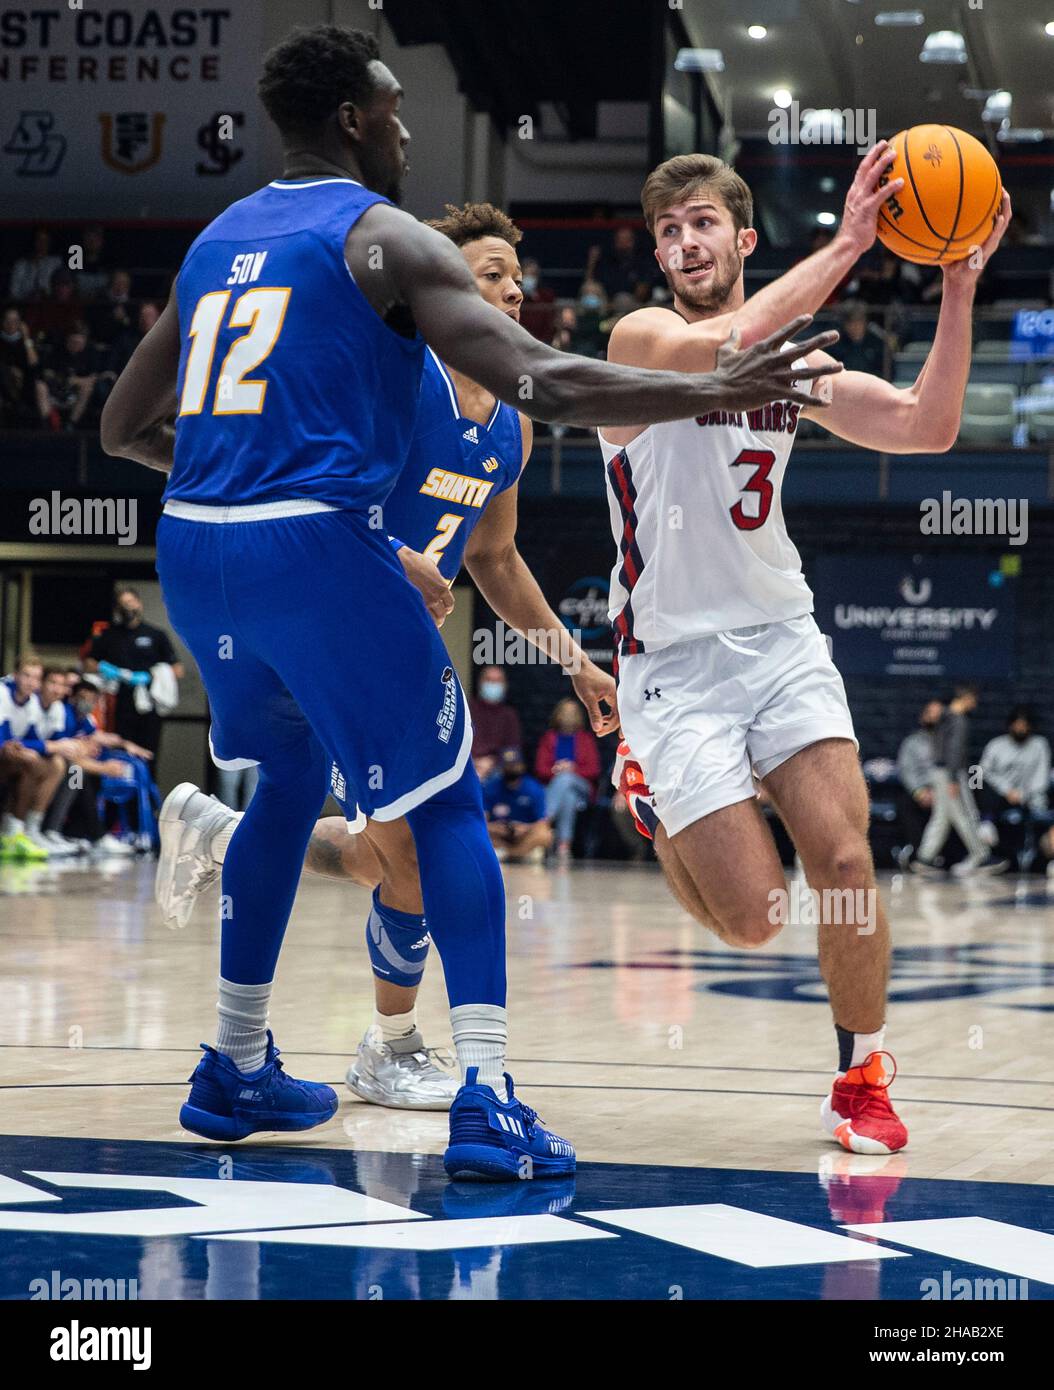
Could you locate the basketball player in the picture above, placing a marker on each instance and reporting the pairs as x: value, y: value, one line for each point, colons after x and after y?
x: 723, y: 674
x: 289, y: 357
x: 455, y: 500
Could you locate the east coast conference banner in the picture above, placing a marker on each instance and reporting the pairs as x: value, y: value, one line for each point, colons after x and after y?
x: 117, y: 110
x: 904, y: 615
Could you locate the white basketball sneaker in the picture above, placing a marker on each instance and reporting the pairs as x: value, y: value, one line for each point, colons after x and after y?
x: 401, y: 1080
x: 188, y: 824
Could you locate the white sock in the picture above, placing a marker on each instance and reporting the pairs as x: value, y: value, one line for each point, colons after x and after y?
x: 12, y: 825
x: 481, y: 1035
x: 34, y: 822
x: 242, y: 1031
x: 222, y: 838
x: 866, y: 1043
x: 399, y: 1031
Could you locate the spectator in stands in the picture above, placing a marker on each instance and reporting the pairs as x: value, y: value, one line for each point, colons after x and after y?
x: 515, y: 807
x: 916, y: 761
x: 54, y: 316
x: 578, y: 328
x: 114, y: 313
x: 28, y: 774
x: 1015, y: 781
x: 952, y: 800
x: 126, y: 652
x: 534, y: 292
x: 862, y: 346
x: 72, y: 375
x: 568, y: 762
x: 889, y: 280
x: 495, y: 724
x: 623, y: 267
x: 93, y: 276
x: 32, y: 275
x: 538, y: 310
x: 126, y: 343
x: 23, y: 395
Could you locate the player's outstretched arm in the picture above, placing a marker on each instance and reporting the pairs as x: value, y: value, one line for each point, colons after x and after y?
x: 398, y: 261
x: 137, y: 419
x: 922, y: 418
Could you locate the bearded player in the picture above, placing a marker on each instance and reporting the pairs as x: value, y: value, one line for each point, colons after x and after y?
x: 723, y: 674
x: 455, y: 500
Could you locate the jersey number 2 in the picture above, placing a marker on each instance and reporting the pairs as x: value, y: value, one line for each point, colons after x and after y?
x: 262, y: 312
x: 758, y: 482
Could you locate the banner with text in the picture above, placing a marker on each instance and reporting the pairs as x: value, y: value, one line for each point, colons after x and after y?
x: 128, y: 110
x: 935, y: 615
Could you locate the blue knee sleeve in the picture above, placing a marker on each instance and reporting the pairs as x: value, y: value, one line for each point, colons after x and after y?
x: 398, y: 944
x: 463, y: 891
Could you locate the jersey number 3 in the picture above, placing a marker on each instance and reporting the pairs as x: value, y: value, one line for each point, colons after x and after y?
x: 262, y: 312
x: 758, y: 482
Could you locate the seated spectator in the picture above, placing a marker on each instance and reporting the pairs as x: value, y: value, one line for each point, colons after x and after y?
x: 114, y: 313
x: 1015, y: 781
x: 623, y: 267
x: 24, y: 397
x: 538, y: 311
x: 889, y: 280
x: 578, y: 326
x: 534, y: 292
x: 515, y: 807
x: 54, y: 316
x: 495, y: 724
x: 126, y: 343
x: 72, y: 375
x: 31, y: 276
x: 93, y: 275
x: 862, y: 346
x: 568, y: 762
x: 916, y: 760
x: 28, y: 774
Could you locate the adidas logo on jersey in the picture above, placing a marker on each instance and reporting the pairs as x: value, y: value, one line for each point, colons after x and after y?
x: 471, y: 434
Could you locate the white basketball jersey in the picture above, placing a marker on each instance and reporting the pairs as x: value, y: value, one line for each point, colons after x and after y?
x: 697, y: 516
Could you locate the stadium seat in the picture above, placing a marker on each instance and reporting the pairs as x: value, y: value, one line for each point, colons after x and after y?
x: 1040, y: 420
x: 988, y: 414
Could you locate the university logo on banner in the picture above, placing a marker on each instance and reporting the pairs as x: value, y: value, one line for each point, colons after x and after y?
x: 131, y: 140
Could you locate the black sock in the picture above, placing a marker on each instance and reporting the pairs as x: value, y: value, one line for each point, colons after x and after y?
x: 845, y: 1047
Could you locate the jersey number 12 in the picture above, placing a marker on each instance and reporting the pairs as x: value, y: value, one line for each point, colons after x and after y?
x: 262, y: 312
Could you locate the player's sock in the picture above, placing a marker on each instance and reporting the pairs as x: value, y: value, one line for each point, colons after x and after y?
x: 464, y: 898
x: 481, y: 1035
x: 398, y: 943
x: 242, y: 1031
x: 399, y: 1031
x: 12, y: 825
x: 854, y: 1048
x: 34, y: 822
x: 222, y: 839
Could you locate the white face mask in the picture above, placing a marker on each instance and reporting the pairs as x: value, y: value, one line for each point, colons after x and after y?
x: 492, y: 691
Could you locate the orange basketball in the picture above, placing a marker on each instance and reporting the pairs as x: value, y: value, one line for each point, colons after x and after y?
x: 951, y: 196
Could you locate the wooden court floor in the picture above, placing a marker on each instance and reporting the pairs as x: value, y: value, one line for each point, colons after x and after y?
x: 633, y: 1032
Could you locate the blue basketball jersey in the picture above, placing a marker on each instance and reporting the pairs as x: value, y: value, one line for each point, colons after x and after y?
x: 454, y: 468
x: 290, y: 385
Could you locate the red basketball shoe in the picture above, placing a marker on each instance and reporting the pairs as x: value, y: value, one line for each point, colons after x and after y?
x: 858, y: 1113
x: 628, y: 777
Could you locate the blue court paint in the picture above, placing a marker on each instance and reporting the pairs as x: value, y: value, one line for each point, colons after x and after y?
x: 370, y: 1225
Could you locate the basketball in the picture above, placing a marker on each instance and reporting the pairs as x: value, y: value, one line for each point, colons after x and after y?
x: 951, y: 195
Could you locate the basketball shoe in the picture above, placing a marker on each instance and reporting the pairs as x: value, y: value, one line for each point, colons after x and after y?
x: 501, y: 1141
x: 627, y: 776
x: 400, y: 1080
x: 188, y: 824
x: 225, y: 1103
x: 858, y: 1112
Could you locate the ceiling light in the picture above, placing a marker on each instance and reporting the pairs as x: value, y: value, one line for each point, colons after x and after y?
x: 1049, y: 29
x: 899, y: 19
x: 997, y: 107
x: 699, y: 60
x: 826, y: 219
x: 756, y: 31
x: 943, y: 46
x: 782, y: 98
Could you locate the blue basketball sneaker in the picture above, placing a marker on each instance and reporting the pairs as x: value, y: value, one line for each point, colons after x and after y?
x: 226, y: 1104
x: 501, y: 1141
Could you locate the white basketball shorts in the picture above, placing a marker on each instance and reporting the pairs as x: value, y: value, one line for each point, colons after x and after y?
x: 700, y: 715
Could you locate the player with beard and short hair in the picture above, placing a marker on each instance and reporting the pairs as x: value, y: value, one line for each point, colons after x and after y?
x: 723, y: 674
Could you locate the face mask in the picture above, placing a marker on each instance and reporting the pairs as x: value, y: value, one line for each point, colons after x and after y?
x: 84, y: 707
x: 11, y: 337
x: 492, y: 691
x: 589, y: 301
x: 1020, y: 738
x: 529, y: 284
x: 127, y: 615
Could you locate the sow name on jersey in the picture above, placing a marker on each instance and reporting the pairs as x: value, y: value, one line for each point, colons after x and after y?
x: 456, y: 487
x: 775, y: 418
